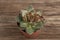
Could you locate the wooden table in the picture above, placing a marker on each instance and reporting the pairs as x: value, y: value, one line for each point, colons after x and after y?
x: 9, y: 9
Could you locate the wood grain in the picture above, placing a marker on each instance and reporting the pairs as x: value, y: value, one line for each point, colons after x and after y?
x: 9, y: 9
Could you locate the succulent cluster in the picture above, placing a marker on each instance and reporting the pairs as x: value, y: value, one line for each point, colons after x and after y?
x: 30, y: 19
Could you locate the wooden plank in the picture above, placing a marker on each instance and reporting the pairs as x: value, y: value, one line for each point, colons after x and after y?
x: 52, y: 18
x: 29, y: 1
x: 6, y: 32
x: 7, y: 18
x: 9, y: 13
x: 44, y: 6
x: 48, y: 29
x: 14, y: 33
x: 50, y: 36
x: 9, y: 26
x: 12, y: 19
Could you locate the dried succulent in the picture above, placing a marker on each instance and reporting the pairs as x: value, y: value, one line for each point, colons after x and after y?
x: 30, y: 20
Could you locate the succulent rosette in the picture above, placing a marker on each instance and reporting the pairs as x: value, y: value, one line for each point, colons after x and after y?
x: 30, y: 20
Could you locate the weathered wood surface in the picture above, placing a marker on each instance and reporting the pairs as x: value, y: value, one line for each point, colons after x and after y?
x: 9, y: 9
